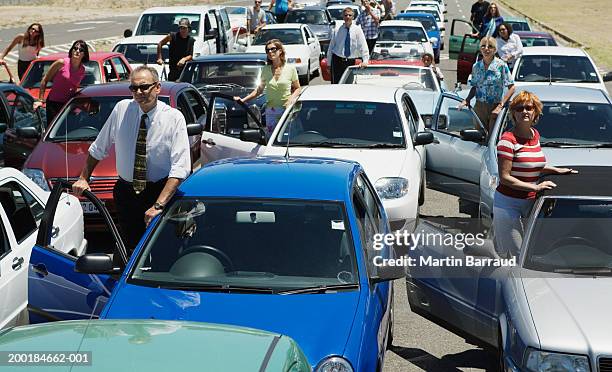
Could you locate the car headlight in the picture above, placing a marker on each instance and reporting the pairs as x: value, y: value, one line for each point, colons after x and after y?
x: 38, y: 176
x: 294, y: 60
x: 334, y: 364
x: 541, y: 361
x: 391, y: 187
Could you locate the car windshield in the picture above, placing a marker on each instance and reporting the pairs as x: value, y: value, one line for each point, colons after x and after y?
x: 164, y: 23
x: 236, y: 10
x: 562, y: 69
x: 428, y: 24
x: 82, y: 118
x: 40, y: 68
x: 311, y: 17
x: 537, y: 41
x: 336, y: 13
x: 342, y: 124
x: 243, y: 73
x: 574, y: 124
x: 401, y: 33
x: 411, y: 78
x: 570, y: 235
x: 287, y: 36
x: 419, y: 9
x: 271, y: 244
x: 141, y: 53
x: 519, y: 25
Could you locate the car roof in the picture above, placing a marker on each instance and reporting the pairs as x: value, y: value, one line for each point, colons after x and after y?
x: 342, y: 6
x: 565, y: 93
x: 232, y: 57
x: 391, y: 64
x: 309, y: 7
x: 121, y: 89
x: 590, y: 181
x: 141, y: 39
x: 415, y: 15
x: 349, y: 92
x: 401, y: 23
x: 534, y: 34
x: 274, y: 178
x: 179, y: 9
x: 11, y: 86
x: 93, y: 56
x: 432, y: 7
x: 553, y: 51
x: 516, y: 19
x: 283, y: 26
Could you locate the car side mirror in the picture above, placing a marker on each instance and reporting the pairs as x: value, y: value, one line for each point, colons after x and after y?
x: 442, y: 29
x: 446, y: 20
x: 486, y: 249
x: 127, y: 32
x: 96, y: 263
x: 472, y: 135
x: 210, y: 36
x: 194, y: 129
x: 311, y: 40
x: 444, y: 12
x: 253, y: 135
x: 28, y: 132
x: 423, y: 138
x: 608, y: 76
x: 387, y: 273
x: 3, y: 127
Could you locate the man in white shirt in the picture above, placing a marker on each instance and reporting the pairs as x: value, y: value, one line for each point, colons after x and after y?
x: 152, y: 154
x: 347, y: 44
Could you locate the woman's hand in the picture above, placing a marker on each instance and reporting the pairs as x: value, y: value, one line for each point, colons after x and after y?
x: 238, y: 99
x: 160, y: 61
x: 2, y: 61
x: 497, y: 109
x: 289, y: 102
x: 546, y: 185
x: 566, y: 171
x: 37, y: 105
x: 463, y: 105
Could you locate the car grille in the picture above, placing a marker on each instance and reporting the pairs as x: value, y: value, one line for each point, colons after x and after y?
x: 605, y: 364
x: 97, y: 184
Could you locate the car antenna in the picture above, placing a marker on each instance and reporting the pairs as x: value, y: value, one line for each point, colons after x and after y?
x: 549, y: 70
x: 288, y: 137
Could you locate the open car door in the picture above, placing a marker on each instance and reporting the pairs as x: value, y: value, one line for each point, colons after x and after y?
x: 232, y: 129
x: 55, y: 290
x: 459, y: 30
x: 467, y: 57
x: 454, y: 161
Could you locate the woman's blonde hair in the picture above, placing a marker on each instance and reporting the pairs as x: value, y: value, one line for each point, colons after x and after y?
x: 526, y: 97
x: 489, y: 40
x: 277, y: 43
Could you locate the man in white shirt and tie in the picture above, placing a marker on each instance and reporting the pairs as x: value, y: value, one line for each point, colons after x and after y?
x: 152, y: 154
x: 347, y: 44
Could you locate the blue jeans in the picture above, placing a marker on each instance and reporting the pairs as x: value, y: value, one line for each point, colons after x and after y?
x: 508, y: 227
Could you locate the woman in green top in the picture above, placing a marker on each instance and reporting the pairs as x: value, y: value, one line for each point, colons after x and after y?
x: 280, y: 82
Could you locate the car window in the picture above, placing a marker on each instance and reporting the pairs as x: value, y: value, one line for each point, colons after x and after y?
x: 21, y: 209
x: 24, y: 114
x: 226, y: 20
x: 402, y: 33
x: 311, y: 17
x: 5, y: 246
x: 122, y: 70
x: 164, y: 23
x: 453, y: 120
x: 412, y: 126
x: 141, y: 53
x: 185, y: 109
x: 410, y: 78
x: 367, y: 231
x: 213, y: 19
x: 110, y: 74
x: 371, y: 203
x: 197, y: 105
x: 563, y: 69
x: 289, y: 36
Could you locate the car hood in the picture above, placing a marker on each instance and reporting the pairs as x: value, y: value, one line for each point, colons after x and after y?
x: 577, y: 156
x: 571, y: 314
x: 320, y: 323
x: 52, y: 157
x: 322, y: 31
x: 292, y: 51
x: 579, y: 85
x: 377, y: 163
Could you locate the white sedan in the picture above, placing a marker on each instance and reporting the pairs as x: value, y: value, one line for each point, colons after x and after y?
x: 402, y: 39
x: 302, y: 47
x: 378, y: 127
x: 22, y: 204
x: 429, y: 9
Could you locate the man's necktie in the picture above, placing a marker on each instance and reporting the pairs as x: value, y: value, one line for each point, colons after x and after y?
x: 139, y: 179
x: 347, y: 43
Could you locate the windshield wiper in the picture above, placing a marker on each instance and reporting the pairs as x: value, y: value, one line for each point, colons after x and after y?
x: 598, y: 145
x: 323, y: 144
x: 319, y: 289
x: 217, y: 288
x: 221, y: 86
x: 561, y: 144
x: 383, y: 146
x: 603, y: 271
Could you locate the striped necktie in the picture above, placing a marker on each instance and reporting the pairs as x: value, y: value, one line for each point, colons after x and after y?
x: 347, y: 43
x: 139, y: 179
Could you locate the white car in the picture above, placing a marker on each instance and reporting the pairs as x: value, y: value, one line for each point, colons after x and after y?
x: 22, y: 204
x: 434, y: 11
x: 379, y: 127
x: 402, y: 39
x: 302, y: 47
x: 440, y: 5
x: 142, y: 50
x: 557, y: 66
x: 336, y: 11
x: 237, y: 16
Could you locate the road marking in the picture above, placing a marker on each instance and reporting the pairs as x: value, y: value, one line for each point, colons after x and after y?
x: 460, y: 11
x: 92, y: 22
x: 463, y: 16
x: 80, y: 29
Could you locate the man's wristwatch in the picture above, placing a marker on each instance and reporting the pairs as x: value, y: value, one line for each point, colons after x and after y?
x: 158, y: 206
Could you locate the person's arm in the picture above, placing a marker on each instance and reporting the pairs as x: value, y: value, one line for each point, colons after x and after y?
x: 554, y: 170
x: 519, y: 46
x: 189, y: 55
x: 18, y: 39
x: 256, y: 92
x: 161, y: 43
x: 249, y: 21
x: 330, y: 47
x: 82, y: 183
x: 55, y: 67
x: 362, y: 44
x: 289, y: 5
x: 375, y: 15
x: 466, y: 101
x: 272, y: 2
x: 295, y: 89
x: 505, y: 178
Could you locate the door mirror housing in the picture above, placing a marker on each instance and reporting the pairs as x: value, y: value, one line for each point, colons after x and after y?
x: 442, y: 29
x: 423, y: 138
x: 127, y: 32
x: 96, y: 263
x: 28, y: 132
x: 311, y: 40
x: 608, y: 76
x: 194, y: 129
x: 387, y: 273
x: 472, y: 135
x: 253, y: 135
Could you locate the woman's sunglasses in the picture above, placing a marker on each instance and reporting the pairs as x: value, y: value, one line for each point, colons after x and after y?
x: 79, y: 49
x: 272, y: 50
x: 34, y: 29
x: 521, y: 108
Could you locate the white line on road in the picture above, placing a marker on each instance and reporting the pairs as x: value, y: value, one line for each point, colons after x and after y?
x: 463, y: 16
x: 80, y: 29
x: 92, y: 22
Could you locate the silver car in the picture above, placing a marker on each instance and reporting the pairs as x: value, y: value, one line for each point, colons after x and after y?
x: 575, y: 128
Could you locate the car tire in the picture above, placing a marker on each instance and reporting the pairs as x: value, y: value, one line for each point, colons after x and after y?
x: 317, y: 72
x: 305, y: 79
x: 422, y: 194
x: 391, y: 321
x: 501, y: 365
x: 441, y: 46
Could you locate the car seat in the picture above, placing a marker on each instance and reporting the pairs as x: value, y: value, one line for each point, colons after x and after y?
x: 539, y: 42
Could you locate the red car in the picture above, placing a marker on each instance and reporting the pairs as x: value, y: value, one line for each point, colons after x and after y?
x: 103, y: 67
x: 63, y: 150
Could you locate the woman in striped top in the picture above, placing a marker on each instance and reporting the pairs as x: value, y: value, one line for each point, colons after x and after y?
x: 520, y: 163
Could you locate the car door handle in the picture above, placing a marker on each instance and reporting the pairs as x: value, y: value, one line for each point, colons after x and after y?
x: 209, y: 142
x: 17, y: 263
x: 55, y: 231
x: 40, y: 269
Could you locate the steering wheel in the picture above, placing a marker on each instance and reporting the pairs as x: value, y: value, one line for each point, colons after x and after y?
x: 311, y: 132
x: 573, y: 240
x: 90, y: 128
x: 224, y: 258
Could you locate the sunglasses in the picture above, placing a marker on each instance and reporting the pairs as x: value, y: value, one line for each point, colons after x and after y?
x: 34, y: 29
x: 272, y: 50
x: 142, y: 87
x: 348, y: 15
x: 521, y: 108
x: 79, y: 49
x: 183, y: 27
x: 487, y: 47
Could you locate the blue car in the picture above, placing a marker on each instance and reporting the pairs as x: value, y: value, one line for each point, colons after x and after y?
x: 289, y: 245
x: 431, y: 27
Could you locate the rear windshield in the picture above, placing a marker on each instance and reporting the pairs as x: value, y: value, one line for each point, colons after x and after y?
x: 563, y: 69
x: 311, y: 17
x: 402, y: 33
x: 40, y: 68
x: 141, y: 53
x: 291, y: 36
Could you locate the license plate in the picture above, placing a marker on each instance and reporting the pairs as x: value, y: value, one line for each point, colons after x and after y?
x: 89, y: 207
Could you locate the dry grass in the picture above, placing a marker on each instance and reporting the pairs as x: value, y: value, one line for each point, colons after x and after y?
x: 586, y: 21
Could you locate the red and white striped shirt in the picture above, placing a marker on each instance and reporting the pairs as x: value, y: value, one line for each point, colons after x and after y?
x: 527, y: 158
